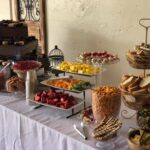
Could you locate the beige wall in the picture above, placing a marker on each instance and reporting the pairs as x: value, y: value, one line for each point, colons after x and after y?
x: 85, y: 25
x: 4, y: 9
x: 79, y: 25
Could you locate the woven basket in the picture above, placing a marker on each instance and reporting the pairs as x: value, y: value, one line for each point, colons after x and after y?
x: 135, y: 102
x: 138, y: 61
x: 133, y: 146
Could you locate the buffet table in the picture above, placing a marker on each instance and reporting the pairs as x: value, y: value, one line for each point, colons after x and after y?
x: 24, y: 128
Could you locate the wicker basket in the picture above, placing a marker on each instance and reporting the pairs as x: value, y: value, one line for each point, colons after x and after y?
x: 133, y: 146
x: 135, y: 102
x: 138, y: 61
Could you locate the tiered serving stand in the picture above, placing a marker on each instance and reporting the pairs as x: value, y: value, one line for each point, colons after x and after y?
x: 94, y: 76
x: 54, y: 62
x: 74, y: 91
x: 141, y: 101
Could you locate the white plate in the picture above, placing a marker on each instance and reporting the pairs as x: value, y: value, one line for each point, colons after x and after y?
x: 80, y: 102
x: 89, y: 75
x: 58, y: 78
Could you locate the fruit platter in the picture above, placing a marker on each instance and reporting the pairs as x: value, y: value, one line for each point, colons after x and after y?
x: 57, y: 100
x: 68, y: 83
x: 98, y: 58
x: 78, y: 68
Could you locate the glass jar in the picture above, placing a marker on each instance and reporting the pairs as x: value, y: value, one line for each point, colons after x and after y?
x: 106, y: 102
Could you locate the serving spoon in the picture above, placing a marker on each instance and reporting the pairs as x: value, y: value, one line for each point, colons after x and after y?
x: 4, y: 67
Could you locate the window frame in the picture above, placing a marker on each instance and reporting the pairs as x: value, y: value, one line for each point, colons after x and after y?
x: 14, y: 15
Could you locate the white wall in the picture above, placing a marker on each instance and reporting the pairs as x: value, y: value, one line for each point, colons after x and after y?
x: 4, y: 9
x: 85, y: 25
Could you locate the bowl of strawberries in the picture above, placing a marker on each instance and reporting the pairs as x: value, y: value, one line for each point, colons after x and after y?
x: 53, y: 99
x: 21, y: 67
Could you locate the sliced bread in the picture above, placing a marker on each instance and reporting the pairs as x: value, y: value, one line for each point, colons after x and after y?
x: 145, y: 82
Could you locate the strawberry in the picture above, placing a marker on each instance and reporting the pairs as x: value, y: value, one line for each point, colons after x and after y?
x: 58, y: 104
x: 39, y: 93
x: 43, y: 99
x: 55, y: 100
x: 37, y: 98
x: 63, y: 100
x: 44, y: 93
x: 49, y: 93
x: 67, y: 105
x: 51, y: 102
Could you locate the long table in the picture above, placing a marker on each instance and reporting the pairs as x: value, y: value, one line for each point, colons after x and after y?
x: 24, y: 128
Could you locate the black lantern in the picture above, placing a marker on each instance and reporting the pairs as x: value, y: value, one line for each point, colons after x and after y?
x: 56, y: 56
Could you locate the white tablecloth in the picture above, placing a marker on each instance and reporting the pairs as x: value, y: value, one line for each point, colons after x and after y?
x: 25, y: 128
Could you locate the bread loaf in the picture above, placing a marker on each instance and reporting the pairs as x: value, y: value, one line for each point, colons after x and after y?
x: 149, y: 89
x: 15, y: 84
x: 129, y: 81
x: 125, y: 77
x: 134, y: 88
x: 145, y: 82
x: 141, y: 91
x: 136, y: 82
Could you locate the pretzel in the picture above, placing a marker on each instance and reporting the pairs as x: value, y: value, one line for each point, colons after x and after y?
x: 107, y: 128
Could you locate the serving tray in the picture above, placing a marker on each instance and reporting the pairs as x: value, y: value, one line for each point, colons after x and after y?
x: 79, y: 102
x: 58, y: 78
x: 88, y: 75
